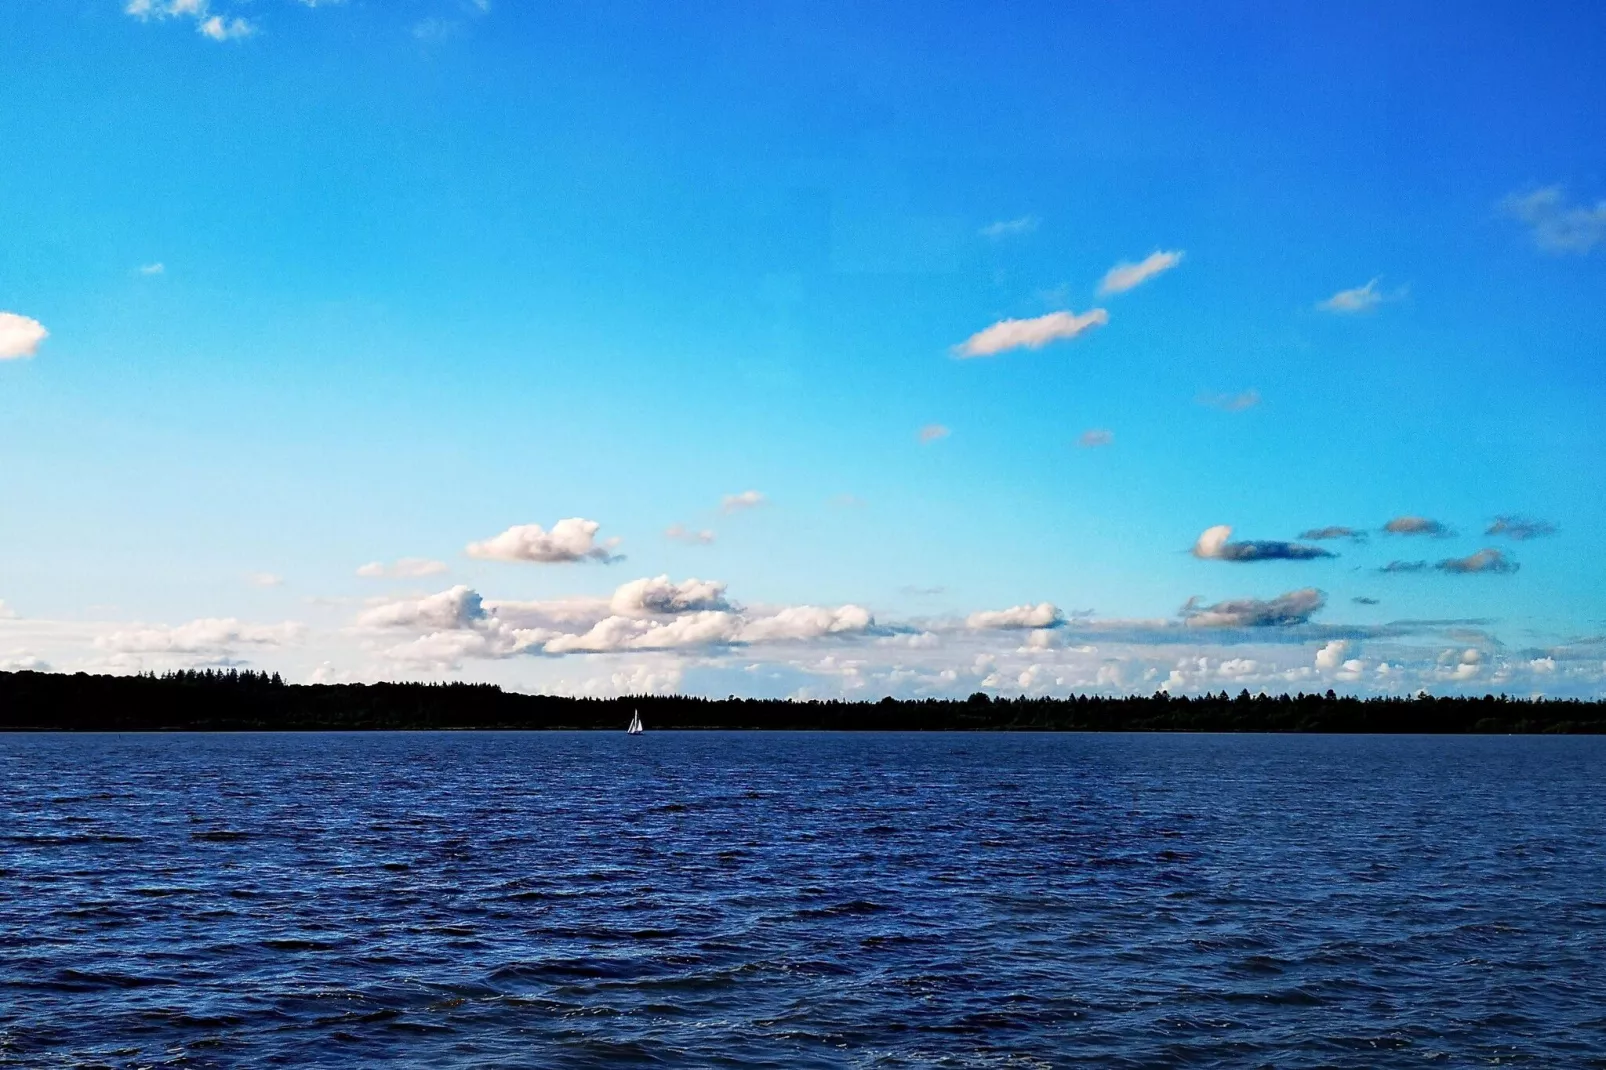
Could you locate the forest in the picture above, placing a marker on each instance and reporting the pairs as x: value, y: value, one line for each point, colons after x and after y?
x: 231, y: 701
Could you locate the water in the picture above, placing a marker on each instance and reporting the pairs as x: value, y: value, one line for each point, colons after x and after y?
x: 800, y: 900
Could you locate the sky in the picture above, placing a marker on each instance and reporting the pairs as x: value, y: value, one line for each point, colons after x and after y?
x: 807, y: 350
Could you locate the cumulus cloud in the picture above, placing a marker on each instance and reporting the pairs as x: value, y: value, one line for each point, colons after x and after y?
x: 1294, y: 607
x: 661, y: 595
x: 1231, y: 402
x: 1485, y: 560
x: 402, y: 568
x: 570, y: 540
x: 747, y: 499
x: 452, y: 624
x: 1030, y: 333
x: 932, y: 432
x: 1042, y: 615
x: 1124, y: 276
x: 681, y: 533
x: 1009, y: 228
x: 456, y: 607
x: 1335, y: 531
x: 1360, y: 299
x: 1331, y: 655
x: 1404, y: 566
x: 1417, y: 525
x: 6, y: 612
x: 210, y: 636
x: 1558, y: 224
x: 20, y: 336
x: 1214, y: 545
x: 1521, y: 528
x: 1095, y: 438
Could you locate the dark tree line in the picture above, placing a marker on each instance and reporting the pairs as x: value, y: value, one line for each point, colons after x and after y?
x: 245, y: 701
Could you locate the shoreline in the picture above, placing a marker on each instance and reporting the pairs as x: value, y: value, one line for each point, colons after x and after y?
x: 233, y: 701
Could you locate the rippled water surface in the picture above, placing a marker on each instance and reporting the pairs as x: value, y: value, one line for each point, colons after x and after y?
x: 731, y: 899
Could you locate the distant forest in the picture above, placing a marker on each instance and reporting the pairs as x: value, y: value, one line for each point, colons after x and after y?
x: 212, y: 701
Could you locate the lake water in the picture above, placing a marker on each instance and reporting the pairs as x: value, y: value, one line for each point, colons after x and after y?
x: 801, y: 900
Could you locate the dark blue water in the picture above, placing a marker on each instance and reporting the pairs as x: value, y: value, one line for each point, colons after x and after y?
x: 728, y: 899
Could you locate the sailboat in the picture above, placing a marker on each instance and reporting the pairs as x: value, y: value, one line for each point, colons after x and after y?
x: 635, y: 723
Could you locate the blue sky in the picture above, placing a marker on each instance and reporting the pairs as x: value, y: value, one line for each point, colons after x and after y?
x: 433, y: 270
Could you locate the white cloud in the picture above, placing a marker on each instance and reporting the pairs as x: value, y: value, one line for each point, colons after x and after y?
x: 1008, y: 228
x: 264, y: 579
x: 932, y: 433
x: 747, y: 499
x: 403, y: 568
x: 215, y: 27
x: 1558, y: 225
x: 1360, y: 299
x: 1095, y: 438
x: 20, y: 660
x: 1331, y: 655
x: 157, y: 268
x: 660, y: 595
x: 681, y: 533
x: 20, y: 336
x: 706, y: 628
x: 456, y: 607
x: 1030, y: 333
x: 219, y: 28
x: 6, y: 612
x: 808, y: 622
x: 1124, y: 276
x: 206, y: 636
x: 1042, y: 615
x: 569, y: 540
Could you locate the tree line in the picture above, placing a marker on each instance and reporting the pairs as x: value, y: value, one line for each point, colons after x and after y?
x: 232, y: 700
